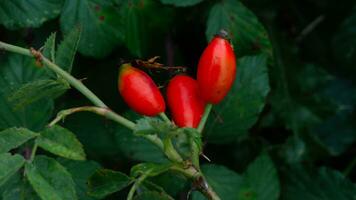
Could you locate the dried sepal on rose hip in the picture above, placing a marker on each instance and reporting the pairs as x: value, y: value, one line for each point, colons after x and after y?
x: 139, y: 91
x: 216, y: 69
x: 184, y: 101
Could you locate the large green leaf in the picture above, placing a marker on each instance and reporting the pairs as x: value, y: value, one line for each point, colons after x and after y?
x: 182, y: 3
x: 247, y: 33
x: 15, y: 71
x: 81, y: 171
x: 18, y: 188
x: 9, y: 165
x: 105, y: 182
x: 326, y: 184
x: 62, y: 142
x: 153, y: 195
x: 262, y: 178
x: 14, y: 137
x: 241, y: 107
x: 50, y: 179
x: 100, y: 24
x: 31, y: 13
x: 139, y: 35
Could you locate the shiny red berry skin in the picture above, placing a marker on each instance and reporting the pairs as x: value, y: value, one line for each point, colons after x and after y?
x: 184, y: 101
x: 216, y: 70
x: 139, y: 91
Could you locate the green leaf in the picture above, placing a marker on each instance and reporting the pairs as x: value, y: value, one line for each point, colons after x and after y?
x: 67, y: 49
x: 262, y: 178
x: 18, y: 188
x: 15, y: 71
x: 81, y: 172
x: 62, y: 142
x: 9, y: 165
x: 153, y: 195
x: 139, y: 36
x: 49, y: 48
x: 327, y: 184
x: 100, y: 24
x: 247, y: 33
x: 16, y: 14
x: 50, y: 179
x: 149, y: 169
x: 152, y: 125
x: 37, y: 90
x: 105, y: 182
x: 182, y: 3
x: 225, y: 182
x: 14, y: 137
x: 344, y: 41
x: 241, y: 107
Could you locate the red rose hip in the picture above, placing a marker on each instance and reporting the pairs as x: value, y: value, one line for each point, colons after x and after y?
x: 216, y: 69
x: 139, y: 91
x: 184, y: 101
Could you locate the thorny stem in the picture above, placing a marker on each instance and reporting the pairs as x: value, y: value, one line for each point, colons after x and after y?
x: 71, y: 80
x: 102, y: 109
x: 204, y: 118
x: 97, y: 110
x: 199, y: 180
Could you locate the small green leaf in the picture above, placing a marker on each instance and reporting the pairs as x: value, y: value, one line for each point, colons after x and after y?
x: 50, y: 180
x: 49, y: 48
x: 247, y: 33
x: 37, y: 90
x: 181, y: 3
x: 81, y: 172
x: 62, y: 142
x: 152, y: 125
x: 14, y: 137
x: 153, y: 195
x: 18, y: 188
x: 105, y: 182
x: 241, y: 107
x: 16, y: 14
x: 67, y: 49
x: 149, y: 169
x: 9, y: 165
x: 99, y: 21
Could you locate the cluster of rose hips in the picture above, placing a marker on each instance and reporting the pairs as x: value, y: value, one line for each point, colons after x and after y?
x: 186, y: 96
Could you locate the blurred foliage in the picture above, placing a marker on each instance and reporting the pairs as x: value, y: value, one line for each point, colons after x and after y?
x: 287, y: 129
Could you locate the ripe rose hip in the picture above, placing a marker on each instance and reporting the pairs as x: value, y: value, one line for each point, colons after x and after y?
x: 139, y: 91
x: 216, y: 69
x: 184, y: 101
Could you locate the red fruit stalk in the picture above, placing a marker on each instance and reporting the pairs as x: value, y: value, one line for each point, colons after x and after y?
x: 139, y: 91
x: 216, y: 69
x: 184, y: 101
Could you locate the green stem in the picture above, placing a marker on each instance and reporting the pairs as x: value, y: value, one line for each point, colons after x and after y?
x: 195, y: 153
x: 171, y: 152
x: 204, y: 118
x: 195, y: 174
x: 100, y: 111
x: 135, y: 186
x: 33, y: 152
x: 164, y: 117
x: 349, y: 167
x: 71, y: 80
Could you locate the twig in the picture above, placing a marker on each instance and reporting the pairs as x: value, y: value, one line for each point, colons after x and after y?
x: 308, y: 29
